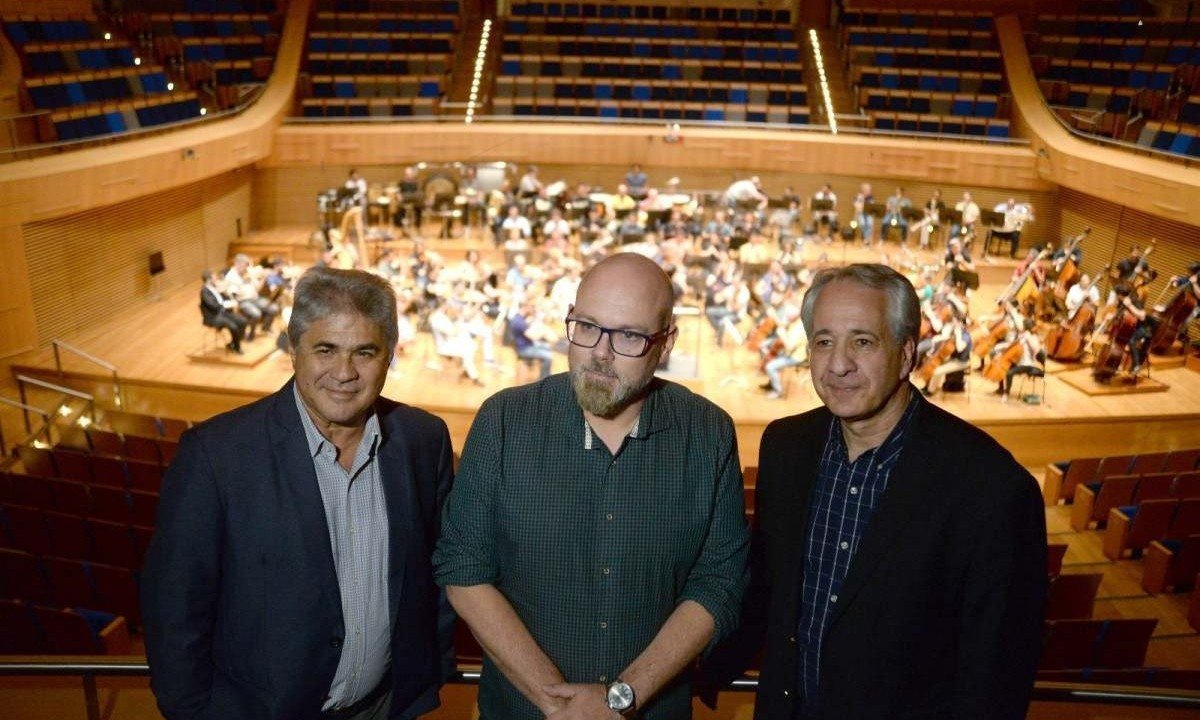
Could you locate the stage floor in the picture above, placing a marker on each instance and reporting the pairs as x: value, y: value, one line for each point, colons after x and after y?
x: 150, y: 346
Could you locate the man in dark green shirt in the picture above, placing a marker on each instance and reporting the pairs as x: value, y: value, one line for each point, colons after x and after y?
x: 595, y: 540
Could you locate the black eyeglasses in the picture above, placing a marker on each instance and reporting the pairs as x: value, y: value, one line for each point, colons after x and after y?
x: 629, y: 343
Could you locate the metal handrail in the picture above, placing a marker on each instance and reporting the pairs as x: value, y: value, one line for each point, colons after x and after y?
x: 23, y: 380
x: 25, y: 410
x: 89, y: 668
x: 118, y: 395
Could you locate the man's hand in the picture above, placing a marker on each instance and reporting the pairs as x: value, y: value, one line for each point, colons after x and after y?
x: 583, y: 702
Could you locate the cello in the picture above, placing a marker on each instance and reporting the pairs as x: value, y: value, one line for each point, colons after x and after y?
x: 1066, y: 341
x: 1174, y: 314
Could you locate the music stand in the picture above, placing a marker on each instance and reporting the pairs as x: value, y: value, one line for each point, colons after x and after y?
x: 911, y: 214
x: 655, y: 218
x: 875, y: 209
x: 822, y: 205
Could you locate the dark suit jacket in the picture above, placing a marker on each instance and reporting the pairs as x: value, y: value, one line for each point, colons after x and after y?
x: 940, y: 615
x: 240, y: 599
x: 211, y: 307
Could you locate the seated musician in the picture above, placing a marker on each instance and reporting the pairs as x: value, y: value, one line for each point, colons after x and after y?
x: 933, y: 208
x: 970, y: 215
x: 526, y: 329
x: 515, y: 225
x: 529, y: 186
x: 788, y: 349
x: 1083, y: 291
x: 865, y: 220
x: 746, y: 195
x: 621, y: 203
x: 556, y: 224
x: 960, y: 358
x: 452, y: 339
x: 1016, y: 215
x: 726, y: 297
x: 410, y: 199
x: 220, y: 311
x: 1192, y: 282
x: 476, y: 208
x: 895, y: 213
x: 242, y: 283
x: 957, y: 259
x: 1139, y: 342
x: 827, y: 218
x: 1033, y: 356
x: 636, y: 180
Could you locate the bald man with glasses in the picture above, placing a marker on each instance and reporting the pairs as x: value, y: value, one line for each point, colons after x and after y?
x: 595, y: 540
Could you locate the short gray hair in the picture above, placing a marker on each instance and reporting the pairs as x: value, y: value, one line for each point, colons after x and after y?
x: 904, y: 309
x: 323, y: 291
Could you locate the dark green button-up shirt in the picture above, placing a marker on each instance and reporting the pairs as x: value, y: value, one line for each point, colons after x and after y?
x: 595, y: 551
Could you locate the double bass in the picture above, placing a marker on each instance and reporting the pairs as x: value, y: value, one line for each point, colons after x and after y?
x: 1112, y: 354
x: 1065, y: 270
x: 1066, y: 341
x: 1173, y: 315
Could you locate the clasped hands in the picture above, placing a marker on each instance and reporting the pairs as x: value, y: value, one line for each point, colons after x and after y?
x: 580, y: 701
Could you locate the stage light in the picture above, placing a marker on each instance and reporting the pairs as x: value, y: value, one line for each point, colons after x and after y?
x: 64, y: 410
x: 170, y: 86
x: 203, y: 111
x: 84, y: 421
x: 108, y: 36
x: 137, y: 61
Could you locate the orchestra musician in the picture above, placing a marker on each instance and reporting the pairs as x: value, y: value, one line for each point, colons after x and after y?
x: 970, y: 215
x: 411, y: 207
x: 1192, y: 282
x: 1139, y: 342
x: 959, y: 264
x: 788, y: 349
x: 1083, y: 291
x: 865, y: 220
x: 452, y: 339
x: 895, y: 214
x: 1032, y: 358
x: 746, y: 195
x: 529, y: 186
x: 825, y: 218
x: 933, y: 209
x: 1016, y: 215
x: 955, y: 332
x: 354, y: 207
x: 220, y: 311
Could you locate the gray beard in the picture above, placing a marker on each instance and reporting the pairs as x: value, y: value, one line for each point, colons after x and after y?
x: 599, y: 400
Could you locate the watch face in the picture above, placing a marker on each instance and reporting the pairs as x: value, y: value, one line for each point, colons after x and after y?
x: 620, y: 696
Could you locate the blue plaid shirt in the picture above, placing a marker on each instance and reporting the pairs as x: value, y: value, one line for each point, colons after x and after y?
x: 843, y: 499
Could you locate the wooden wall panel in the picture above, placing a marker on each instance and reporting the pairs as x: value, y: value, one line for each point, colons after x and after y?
x: 87, y: 267
x: 46, y: 8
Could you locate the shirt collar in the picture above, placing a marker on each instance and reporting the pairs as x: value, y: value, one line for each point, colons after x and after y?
x: 317, y: 441
x: 889, y: 449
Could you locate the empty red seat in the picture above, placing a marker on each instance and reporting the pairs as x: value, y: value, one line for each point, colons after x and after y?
x: 106, y: 442
x: 1148, y: 463
x: 1123, y: 643
x: 31, y: 491
x: 108, y: 471
x: 1171, y: 564
x: 69, y: 534
x: 140, y: 447
x: 1072, y: 596
x: 36, y: 461
x: 71, y: 497
x: 1187, y: 485
x: 112, y: 544
x: 1093, y: 501
x: 1154, y: 486
x: 144, y: 476
x: 1133, y: 528
x: 1186, y: 520
x: 1069, y: 644
x: 24, y: 528
x: 1181, y: 460
x: 21, y: 635
x: 70, y: 583
x: 1055, y: 553
x: 110, y: 503
x: 22, y: 577
x: 72, y: 464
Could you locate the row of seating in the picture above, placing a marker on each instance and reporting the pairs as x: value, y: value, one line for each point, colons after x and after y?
x: 64, y: 582
x: 656, y: 12
x: 1072, y: 596
x: 187, y: 25
x: 1178, y: 138
x: 145, y: 112
x: 624, y: 109
x: 31, y: 629
x: 68, y: 89
x: 555, y: 66
x: 93, y: 468
x: 936, y: 103
x: 1143, y: 677
x: 1132, y: 50
x: 693, y: 92
x: 376, y: 87
x: 941, y: 124
x: 952, y: 19
x: 243, y: 47
x: 1095, y: 97
x: 1189, y: 112
x: 918, y: 38
x: 391, y: 64
x: 448, y: 7
x: 652, y: 29
x: 74, y: 537
x: 969, y: 60
x: 367, y: 86
x: 654, y: 48
x: 931, y: 80
x: 380, y: 42
x: 1112, y: 26
x: 1132, y: 527
x: 98, y: 502
x: 44, y: 58
x: 1061, y: 478
x: 1078, y: 644
x: 1107, y: 72
x: 388, y: 23
x: 22, y: 30
x: 1093, y: 501
x: 373, y: 107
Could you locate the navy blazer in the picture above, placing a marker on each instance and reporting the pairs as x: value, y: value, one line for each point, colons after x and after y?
x: 940, y: 614
x: 240, y: 599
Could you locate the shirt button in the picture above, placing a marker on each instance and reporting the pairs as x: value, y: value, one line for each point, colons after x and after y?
x: 603, y: 678
x: 833, y: 598
x: 606, y: 571
x: 787, y: 693
x: 845, y: 546
x: 608, y: 516
x: 603, y: 626
x: 853, y: 491
x: 792, y: 639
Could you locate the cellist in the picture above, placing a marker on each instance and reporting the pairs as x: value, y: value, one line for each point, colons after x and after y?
x: 1139, y: 342
x: 1030, y: 362
x: 954, y: 332
x: 1192, y: 283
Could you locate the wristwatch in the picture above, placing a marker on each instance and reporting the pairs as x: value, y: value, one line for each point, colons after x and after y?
x: 621, y: 698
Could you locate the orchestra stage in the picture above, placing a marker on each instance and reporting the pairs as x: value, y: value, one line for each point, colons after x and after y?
x: 151, y: 345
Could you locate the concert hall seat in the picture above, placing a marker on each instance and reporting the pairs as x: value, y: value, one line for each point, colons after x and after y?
x: 21, y: 635
x: 69, y: 536
x: 1171, y: 565
x: 1072, y: 596
x: 82, y: 632
x: 1055, y: 552
x: 1181, y: 460
x: 22, y: 576
x: 24, y: 528
x: 1060, y: 479
x: 1148, y: 463
x: 1093, y: 501
x: 72, y: 464
x: 1073, y: 644
x: 1134, y: 527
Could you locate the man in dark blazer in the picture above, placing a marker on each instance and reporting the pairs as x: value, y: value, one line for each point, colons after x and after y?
x: 899, y: 553
x: 219, y: 311
x: 289, y: 576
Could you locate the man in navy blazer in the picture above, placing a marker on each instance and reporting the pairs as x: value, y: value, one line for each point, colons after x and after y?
x: 289, y: 575
x: 898, y: 561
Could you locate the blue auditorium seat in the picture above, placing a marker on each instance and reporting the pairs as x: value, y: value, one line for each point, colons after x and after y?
x: 714, y: 114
